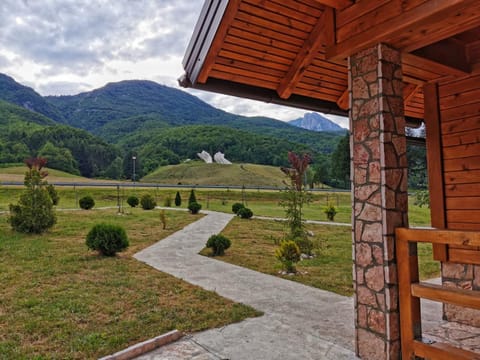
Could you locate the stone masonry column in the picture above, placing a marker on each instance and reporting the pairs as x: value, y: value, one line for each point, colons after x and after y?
x: 379, y: 195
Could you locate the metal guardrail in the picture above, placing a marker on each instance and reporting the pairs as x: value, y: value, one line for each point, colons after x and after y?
x: 180, y: 186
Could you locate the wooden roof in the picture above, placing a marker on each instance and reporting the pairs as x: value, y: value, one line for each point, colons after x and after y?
x: 294, y: 52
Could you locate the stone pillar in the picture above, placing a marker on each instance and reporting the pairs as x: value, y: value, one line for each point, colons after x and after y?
x: 379, y: 195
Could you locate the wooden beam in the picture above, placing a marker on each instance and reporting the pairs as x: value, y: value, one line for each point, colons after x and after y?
x: 450, y: 53
x: 306, y: 54
x: 217, y: 43
x: 442, y: 351
x: 454, y: 296
x: 343, y: 101
x: 436, y: 182
x: 409, y: 92
x: 434, y: 236
x: 432, y: 65
x: 336, y: 4
x: 401, y: 25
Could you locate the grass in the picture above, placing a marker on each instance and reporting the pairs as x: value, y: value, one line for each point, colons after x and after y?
x: 254, y: 243
x: 200, y: 173
x: 264, y: 203
x: 61, y: 301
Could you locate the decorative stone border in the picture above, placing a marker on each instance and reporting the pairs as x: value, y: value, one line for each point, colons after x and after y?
x: 146, y: 346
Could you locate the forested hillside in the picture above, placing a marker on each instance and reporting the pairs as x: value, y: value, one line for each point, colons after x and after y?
x: 110, y: 111
x: 27, y: 98
x: 174, y: 145
x: 157, y: 124
x: 24, y: 133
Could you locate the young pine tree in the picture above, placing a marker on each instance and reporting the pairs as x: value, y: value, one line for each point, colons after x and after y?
x: 34, y: 212
x: 192, y: 197
x: 178, y: 199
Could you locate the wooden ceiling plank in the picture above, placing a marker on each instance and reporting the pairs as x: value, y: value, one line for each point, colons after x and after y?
x: 267, y: 32
x: 343, y: 100
x: 228, y: 16
x: 423, y: 15
x: 275, y: 43
x: 306, y: 55
x: 309, y: 16
x: 336, y: 4
x: 280, y: 18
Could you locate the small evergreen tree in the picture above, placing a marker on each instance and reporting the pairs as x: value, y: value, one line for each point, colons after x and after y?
x: 192, y: 198
x: 34, y: 212
x: 178, y: 199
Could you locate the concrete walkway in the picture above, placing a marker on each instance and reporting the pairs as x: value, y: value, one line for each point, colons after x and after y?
x: 300, y: 322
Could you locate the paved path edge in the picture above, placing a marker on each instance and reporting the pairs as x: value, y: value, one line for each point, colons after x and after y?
x: 145, y: 346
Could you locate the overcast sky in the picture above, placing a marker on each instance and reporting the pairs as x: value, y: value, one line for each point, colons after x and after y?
x: 62, y: 47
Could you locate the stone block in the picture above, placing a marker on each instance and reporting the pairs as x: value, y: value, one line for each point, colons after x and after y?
x: 374, y: 278
x: 370, y: 346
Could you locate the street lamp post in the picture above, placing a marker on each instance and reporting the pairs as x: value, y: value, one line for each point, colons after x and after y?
x: 134, y: 158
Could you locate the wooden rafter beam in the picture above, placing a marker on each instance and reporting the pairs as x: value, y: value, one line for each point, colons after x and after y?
x: 343, y: 101
x: 306, y: 54
x: 336, y: 4
x: 432, y: 65
x: 409, y: 91
x: 408, y: 30
x: 449, y: 53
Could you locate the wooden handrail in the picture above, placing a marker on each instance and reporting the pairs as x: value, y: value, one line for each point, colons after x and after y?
x: 446, y: 237
x: 454, y: 296
x: 410, y: 292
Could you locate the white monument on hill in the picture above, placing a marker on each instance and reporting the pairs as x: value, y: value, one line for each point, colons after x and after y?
x: 220, y: 158
x: 205, y: 156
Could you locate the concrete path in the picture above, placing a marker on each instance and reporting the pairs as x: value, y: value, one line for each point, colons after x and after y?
x: 300, y: 322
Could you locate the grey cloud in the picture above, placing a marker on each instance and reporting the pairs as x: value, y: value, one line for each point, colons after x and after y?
x: 75, y: 35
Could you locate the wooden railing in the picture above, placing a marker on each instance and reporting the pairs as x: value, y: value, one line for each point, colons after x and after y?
x: 411, y: 291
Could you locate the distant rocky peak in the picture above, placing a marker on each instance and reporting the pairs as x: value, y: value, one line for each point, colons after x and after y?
x: 316, y: 122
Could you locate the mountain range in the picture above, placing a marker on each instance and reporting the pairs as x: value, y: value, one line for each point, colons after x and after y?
x: 316, y: 122
x: 159, y: 124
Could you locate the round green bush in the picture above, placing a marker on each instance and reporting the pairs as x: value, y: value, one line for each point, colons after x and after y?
x: 236, y: 207
x: 245, y: 213
x: 194, y: 207
x: 133, y: 201
x: 148, y: 202
x: 86, y: 202
x: 108, y: 239
x: 218, y: 244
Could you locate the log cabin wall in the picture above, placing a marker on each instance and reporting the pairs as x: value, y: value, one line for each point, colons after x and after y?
x: 459, y: 103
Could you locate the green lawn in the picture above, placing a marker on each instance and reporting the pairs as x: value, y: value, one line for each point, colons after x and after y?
x: 254, y: 243
x: 61, y: 301
x: 264, y: 203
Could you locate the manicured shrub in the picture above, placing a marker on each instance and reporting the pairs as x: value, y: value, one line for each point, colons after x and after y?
x: 330, y: 211
x: 86, y: 202
x: 289, y: 254
x: 168, y: 201
x: 148, y: 202
x: 245, y: 213
x: 218, y: 244
x: 53, y: 193
x: 108, y: 239
x: 194, y: 207
x: 133, y: 201
x: 178, y: 199
x: 192, y: 198
x: 236, y: 207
